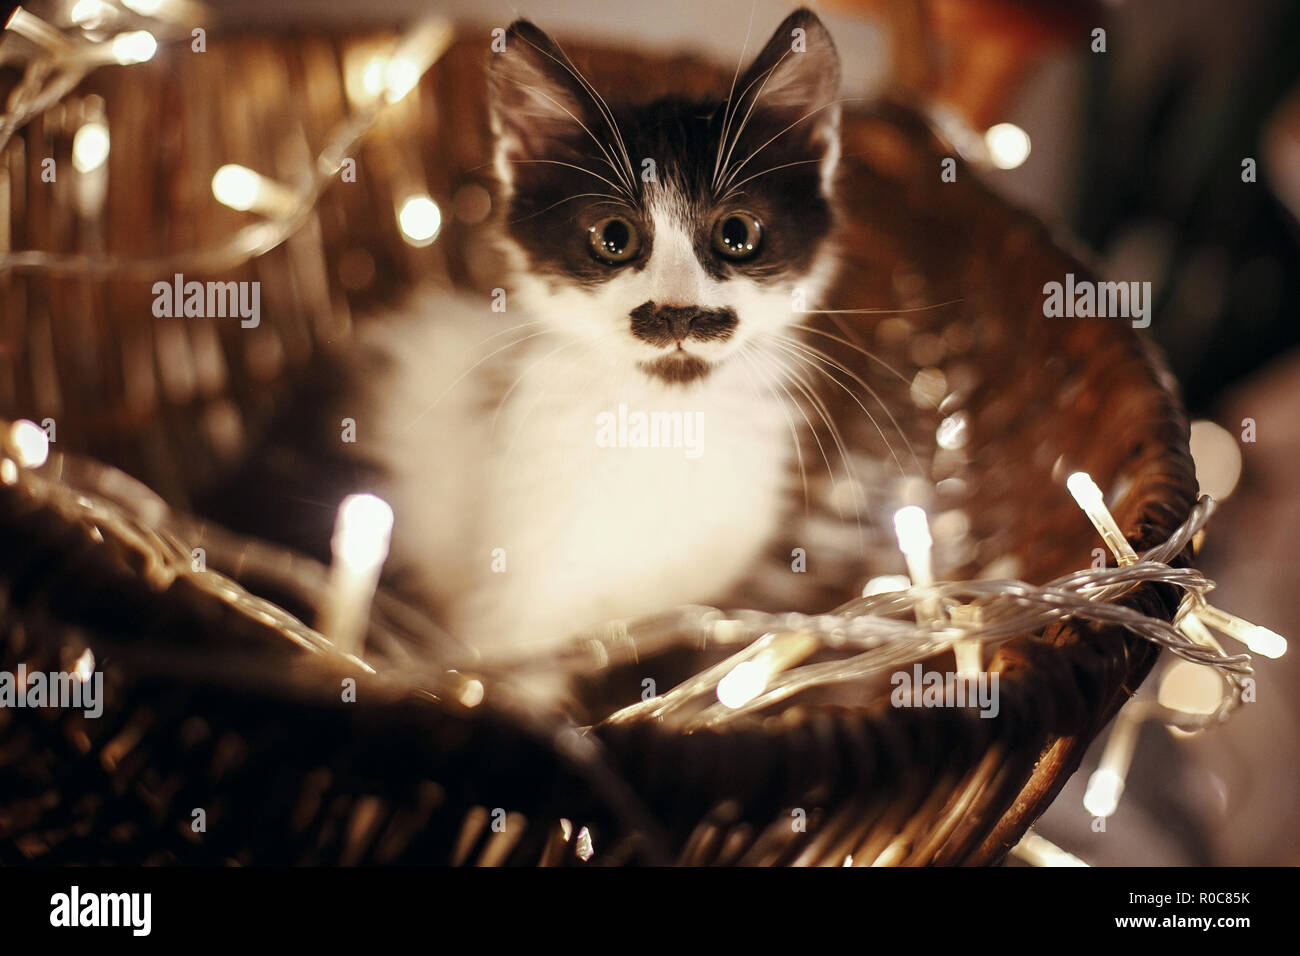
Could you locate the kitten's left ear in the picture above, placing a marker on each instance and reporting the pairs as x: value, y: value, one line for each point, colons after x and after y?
x: 796, y: 79
x: 535, y: 98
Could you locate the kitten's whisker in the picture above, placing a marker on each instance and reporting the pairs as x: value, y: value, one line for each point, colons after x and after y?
x: 609, y: 160
x: 809, y: 393
x: 857, y: 348
x: 818, y: 359
x: 850, y: 475
x: 726, y: 110
x: 764, y: 76
x: 593, y: 348
x: 462, y: 376
x: 581, y: 169
x: 606, y: 113
x: 524, y: 374
x: 617, y: 201
x: 772, y: 169
x: 735, y: 170
x: 919, y: 308
x: 746, y: 353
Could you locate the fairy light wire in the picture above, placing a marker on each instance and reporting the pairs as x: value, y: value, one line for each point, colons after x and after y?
x: 418, y: 49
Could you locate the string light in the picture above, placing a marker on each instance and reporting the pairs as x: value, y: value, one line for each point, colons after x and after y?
x: 362, y: 531
x: 1007, y: 145
x: 241, y: 188
x: 912, y: 527
x: 30, y: 444
x: 90, y: 147
x: 1037, y: 850
x: 62, y: 66
x: 420, y: 220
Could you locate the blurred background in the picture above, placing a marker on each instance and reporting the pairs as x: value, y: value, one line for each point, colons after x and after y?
x: 1162, y: 139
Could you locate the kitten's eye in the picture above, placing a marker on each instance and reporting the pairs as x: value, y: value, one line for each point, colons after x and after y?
x: 614, y: 240
x: 737, y: 235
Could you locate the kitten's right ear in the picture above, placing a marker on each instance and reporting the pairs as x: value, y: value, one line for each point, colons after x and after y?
x: 535, y: 97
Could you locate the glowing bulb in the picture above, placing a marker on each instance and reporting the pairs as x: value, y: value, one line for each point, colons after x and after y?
x: 472, y: 693
x: 419, y: 219
x: 89, y: 14
x: 90, y: 147
x: 146, y: 8
x: 742, y: 684
x: 85, y: 666
x: 138, y: 46
x: 1217, y: 458
x: 886, y: 584
x: 1259, y: 639
x: 585, y: 847
x: 913, y: 530
x: 362, y: 531
x: 240, y: 188
x: 30, y: 443
x: 1089, y: 498
x: 1105, y: 787
x: 1008, y: 145
x: 236, y: 187
x: 1085, y: 491
x: 372, y: 78
x: 400, y: 77
x: 1263, y: 641
x: 1191, y: 688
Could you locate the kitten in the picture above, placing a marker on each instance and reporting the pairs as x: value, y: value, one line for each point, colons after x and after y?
x: 655, y: 250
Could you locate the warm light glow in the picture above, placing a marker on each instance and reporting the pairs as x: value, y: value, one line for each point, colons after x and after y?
x: 85, y: 666
x: 1039, y: 851
x: 1217, y: 458
x: 1191, y: 688
x: 423, y: 46
x: 137, y: 46
x: 886, y: 584
x: 400, y: 77
x: 585, y: 848
x: 1265, y: 642
x: 1008, y: 145
x: 913, y: 530
x: 372, y: 78
x: 1258, y: 639
x: 362, y: 532
x: 90, y: 147
x: 471, y: 693
x: 89, y: 14
x: 1104, y: 789
x: 146, y: 8
x: 745, y: 682
x: 236, y: 187
x: 31, y: 444
x: 1089, y: 498
x: 420, y: 219
x: 1085, y: 491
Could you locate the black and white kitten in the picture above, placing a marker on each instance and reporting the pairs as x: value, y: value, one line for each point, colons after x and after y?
x: 655, y: 252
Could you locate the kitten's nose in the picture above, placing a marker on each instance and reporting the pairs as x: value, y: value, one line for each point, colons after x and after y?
x: 665, y: 324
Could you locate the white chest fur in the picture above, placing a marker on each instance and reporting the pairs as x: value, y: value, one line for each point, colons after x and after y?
x: 557, y: 513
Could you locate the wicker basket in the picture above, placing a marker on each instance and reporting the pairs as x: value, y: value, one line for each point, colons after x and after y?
x: 218, y: 704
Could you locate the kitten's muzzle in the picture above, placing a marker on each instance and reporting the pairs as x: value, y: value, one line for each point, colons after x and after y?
x: 662, y: 325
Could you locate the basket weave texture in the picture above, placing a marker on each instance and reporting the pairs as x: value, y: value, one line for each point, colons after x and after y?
x: 211, y: 706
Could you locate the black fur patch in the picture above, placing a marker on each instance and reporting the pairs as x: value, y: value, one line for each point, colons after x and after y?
x: 783, y: 108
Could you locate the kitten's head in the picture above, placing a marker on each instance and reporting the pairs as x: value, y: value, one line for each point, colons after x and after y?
x: 672, y: 233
